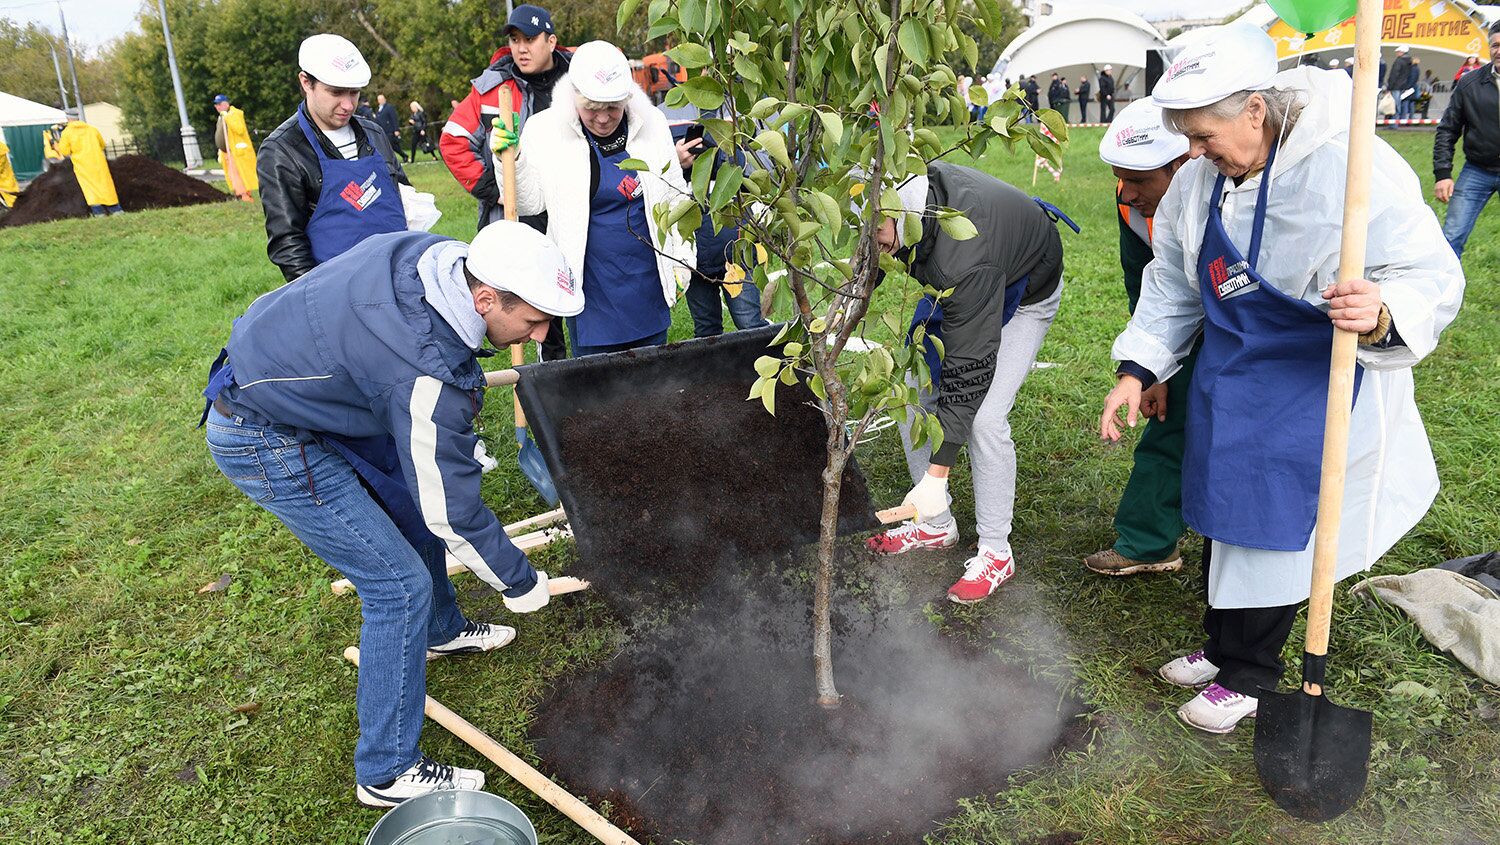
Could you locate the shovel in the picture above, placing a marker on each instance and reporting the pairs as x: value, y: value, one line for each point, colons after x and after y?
x: 1312, y: 755
x: 533, y: 465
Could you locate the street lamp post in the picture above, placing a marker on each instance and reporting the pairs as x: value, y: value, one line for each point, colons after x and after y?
x: 190, y: 151
x: 62, y: 90
x: 72, y: 69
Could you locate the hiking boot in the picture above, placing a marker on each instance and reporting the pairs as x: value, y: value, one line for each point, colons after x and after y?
x: 983, y: 574
x: 909, y: 536
x: 427, y: 775
x: 1111, y: 562
x: 1190, y: 670
x: 1216, y: 709
x: 473, y: 639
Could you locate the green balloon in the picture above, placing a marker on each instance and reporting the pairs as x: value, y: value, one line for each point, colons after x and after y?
x: 1311, y: 16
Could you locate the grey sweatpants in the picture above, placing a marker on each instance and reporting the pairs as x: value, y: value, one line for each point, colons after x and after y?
x: 992, y: 453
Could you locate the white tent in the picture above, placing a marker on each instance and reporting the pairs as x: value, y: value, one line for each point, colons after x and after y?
x: 15, y: 111
x: 1079, y: 40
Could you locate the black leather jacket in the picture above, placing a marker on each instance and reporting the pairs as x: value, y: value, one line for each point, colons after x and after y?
x: 291, y: 180
x: 1473, y: 112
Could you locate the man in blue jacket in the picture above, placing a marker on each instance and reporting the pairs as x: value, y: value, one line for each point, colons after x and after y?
x: 338, y: 394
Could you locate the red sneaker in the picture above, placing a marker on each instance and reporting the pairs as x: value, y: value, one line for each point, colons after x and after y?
x: 909, y: 536
x: 983, y: 574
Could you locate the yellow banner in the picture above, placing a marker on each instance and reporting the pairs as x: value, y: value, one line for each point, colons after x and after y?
x: 1433, y: 24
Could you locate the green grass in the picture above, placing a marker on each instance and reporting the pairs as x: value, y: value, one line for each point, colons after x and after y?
x: 119, y: 684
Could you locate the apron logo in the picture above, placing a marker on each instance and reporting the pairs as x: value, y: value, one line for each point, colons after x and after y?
x: 630, y: 188
x: 1230, y: 280
x: 361, y: 196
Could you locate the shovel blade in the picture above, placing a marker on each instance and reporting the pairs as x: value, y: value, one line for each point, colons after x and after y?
x: 534, y: 466
x: 1312, y: 755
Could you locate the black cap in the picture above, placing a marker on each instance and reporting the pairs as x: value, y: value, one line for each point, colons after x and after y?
x: 530, y: 20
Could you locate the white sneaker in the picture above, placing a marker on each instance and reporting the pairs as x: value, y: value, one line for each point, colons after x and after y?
x: 473, y: 639
x: 427, y: 775
x: 1190, y: 670
x: 1217, y: 710
x: 909, y: 536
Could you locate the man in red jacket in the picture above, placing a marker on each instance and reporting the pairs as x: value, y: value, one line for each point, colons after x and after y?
x: 524, y: 70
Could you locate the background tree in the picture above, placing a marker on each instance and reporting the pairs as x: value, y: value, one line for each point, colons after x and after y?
x: 840, y: 101
x: 27, y: 70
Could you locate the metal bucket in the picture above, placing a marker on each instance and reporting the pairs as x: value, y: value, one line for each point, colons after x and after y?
x: 454, y: 817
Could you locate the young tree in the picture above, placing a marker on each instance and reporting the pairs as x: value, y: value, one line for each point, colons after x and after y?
x: 840, y: 101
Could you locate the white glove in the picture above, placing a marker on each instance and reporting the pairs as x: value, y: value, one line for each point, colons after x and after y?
x: 487, y: 464
x: 930, y: 497
x: 535, y: 599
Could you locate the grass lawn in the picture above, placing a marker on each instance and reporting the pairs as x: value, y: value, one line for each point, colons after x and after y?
x: 134, y: 709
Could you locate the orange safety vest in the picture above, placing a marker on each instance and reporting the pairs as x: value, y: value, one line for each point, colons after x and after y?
x: 1138, y: 222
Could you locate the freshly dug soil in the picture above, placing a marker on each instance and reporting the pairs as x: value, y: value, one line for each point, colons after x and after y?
x: 678, y: 482
x: 140, y: 182
x: 707, y: 731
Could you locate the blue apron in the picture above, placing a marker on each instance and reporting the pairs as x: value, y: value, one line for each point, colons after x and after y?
x: 374, y: 459
x: 359, y: 199
x: 1258, y: 400
x: 929, y: 311
x: 621, y: 285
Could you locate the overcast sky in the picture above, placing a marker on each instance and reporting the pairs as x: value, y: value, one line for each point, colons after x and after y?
x: 95, y: 22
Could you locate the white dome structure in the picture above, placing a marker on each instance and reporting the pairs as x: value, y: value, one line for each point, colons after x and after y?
x: 1078, y: 40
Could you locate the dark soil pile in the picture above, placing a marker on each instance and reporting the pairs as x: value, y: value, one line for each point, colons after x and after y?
x: 682, y: 481
x: 708, y: 731
x: 140, y: 182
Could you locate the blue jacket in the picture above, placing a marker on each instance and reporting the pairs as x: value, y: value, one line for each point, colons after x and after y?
x: 351, y: 349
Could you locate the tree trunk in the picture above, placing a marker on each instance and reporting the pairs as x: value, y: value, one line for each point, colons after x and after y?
x: 833, y: 480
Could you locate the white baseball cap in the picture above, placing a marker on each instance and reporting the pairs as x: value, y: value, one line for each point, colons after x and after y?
x: 1333, y: 62
x: 1402, y: 48
x: 333, y: 60
x: 601, y: 72
x: 1239, y: 57
x: 515, y: 258
x: 1137, y: 140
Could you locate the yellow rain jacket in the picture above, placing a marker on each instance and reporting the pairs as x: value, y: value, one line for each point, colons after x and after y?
x: 239, y: 160
x: 8, y: 185
x: 49, y: 143
x: 85, y: 146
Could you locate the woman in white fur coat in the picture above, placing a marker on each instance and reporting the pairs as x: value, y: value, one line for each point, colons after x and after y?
x: 599, y: 214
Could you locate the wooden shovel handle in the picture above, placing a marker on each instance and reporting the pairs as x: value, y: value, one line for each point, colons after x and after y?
x: 502, y: 378
x: 508, y: 189
x: 1367, y: 24
x: 517, y: 358
x: 522, y: 772
x: 896, y: 514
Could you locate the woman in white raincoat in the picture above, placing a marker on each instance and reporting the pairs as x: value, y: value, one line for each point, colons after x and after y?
x: 1251, y: 262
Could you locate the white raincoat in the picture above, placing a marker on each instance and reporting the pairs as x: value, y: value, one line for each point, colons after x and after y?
x: 1392, y: 479
x: 552, y: 175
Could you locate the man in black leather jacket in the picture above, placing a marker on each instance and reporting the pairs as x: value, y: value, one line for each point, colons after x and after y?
x: 291, y: 178
x: 1473, y: 112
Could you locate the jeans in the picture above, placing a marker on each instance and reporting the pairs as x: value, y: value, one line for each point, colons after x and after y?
x: 580, y: 350
x: 408, y: 601
x: 1403, y: 106
x: 708, y: 319
x: 1471, y: 191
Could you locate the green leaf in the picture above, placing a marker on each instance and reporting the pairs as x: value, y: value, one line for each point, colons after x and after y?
x: 833, y: 125
x: 978, y: 95
x: 766, y: 366
x: 912, y: 36
x: 746, y: 67
x: 958, y: 227
x: 690, y: 55
x: 1054, y: 123
x: 768, y: 398
x: 825, y: 208
x: 911, y: 228
x: 792, y: 349
x: 722, y: 131
x: 775, y: 146
x: 703, y: 171
x: 763, y: 108
x: 726, y: 186
x: 633, y: 164
x: 991, y: 18
x: 816, y: 386
x: 1000, y: 126
x: 627, y: 8
x: 755, y: 389
x: 665, y: 26
x: 881, y: 56
x: 807, y: 230
x: 788, y: 376
x: 705, y: 92
x: 934, y: 432
x: 694, y: 15
x: 970, y: 48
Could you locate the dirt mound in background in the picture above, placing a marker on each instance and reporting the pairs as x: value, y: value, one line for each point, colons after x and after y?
x: 140, y: 182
